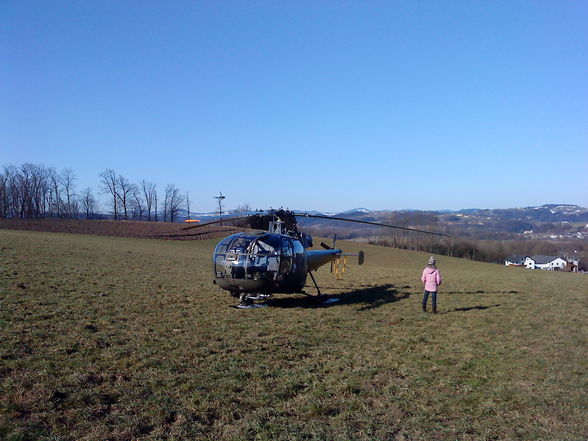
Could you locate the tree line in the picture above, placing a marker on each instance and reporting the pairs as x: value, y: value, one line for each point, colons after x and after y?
x: 36, y: 191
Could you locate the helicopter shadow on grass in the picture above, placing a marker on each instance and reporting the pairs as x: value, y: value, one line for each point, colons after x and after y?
x: 373, y: 296
x: 474, y: 308
x: 478, y: 292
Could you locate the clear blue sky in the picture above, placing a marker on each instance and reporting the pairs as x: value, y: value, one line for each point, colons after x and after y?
x: 326, y: 105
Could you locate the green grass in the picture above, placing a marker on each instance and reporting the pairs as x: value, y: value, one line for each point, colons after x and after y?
x: 123, y: 339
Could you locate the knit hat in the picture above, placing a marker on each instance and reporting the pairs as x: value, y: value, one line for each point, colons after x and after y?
x: 431, y: 261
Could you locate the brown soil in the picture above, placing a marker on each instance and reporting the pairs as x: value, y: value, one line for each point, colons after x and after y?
x: 153, y: 230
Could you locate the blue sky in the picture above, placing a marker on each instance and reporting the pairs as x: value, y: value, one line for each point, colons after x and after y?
x: 326, y: 105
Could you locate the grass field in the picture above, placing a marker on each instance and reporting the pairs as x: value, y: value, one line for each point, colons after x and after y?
x: 120, y: 339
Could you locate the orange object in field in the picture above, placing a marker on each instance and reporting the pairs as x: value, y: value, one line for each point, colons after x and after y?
x: 191, y: 221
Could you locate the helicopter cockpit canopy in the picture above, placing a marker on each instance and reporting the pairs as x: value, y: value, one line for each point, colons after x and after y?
x: 247, y: 257
x: 242, y: 243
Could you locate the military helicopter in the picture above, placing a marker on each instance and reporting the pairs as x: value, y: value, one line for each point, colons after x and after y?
x: 253, y: 266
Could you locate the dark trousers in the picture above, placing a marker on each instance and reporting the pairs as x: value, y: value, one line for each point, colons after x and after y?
x: 433, y: 298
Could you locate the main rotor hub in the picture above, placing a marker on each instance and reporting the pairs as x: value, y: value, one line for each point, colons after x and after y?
x: 276, y: 221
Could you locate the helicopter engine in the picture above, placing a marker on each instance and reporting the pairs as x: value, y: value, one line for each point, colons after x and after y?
x: 260, y: 263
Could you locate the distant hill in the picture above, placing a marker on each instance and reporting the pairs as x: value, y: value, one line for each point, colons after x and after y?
x: 549, y: 221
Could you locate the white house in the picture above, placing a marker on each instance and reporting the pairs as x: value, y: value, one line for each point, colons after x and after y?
x: 529, y: 263
x: 552, y: 263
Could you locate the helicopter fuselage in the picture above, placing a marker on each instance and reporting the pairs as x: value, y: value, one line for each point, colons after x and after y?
x: 265, y: 263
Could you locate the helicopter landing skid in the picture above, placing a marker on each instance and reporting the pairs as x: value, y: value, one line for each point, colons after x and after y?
x: 322, y: 298
x: 251, y: 306
x: 315, y: 284
x: 247, y: 301
x: 259, y: 296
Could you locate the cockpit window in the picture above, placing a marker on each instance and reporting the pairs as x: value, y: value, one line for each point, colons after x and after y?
x: 267, y: 244
x: 240, y: 244
x: 223, y: 246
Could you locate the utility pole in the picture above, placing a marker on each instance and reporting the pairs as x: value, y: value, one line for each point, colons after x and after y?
x: 220, y: 198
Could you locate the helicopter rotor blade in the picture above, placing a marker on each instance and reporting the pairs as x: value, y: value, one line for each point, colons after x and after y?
x: 250, y: 217
x: 225, y: 219
x: 318, y: 216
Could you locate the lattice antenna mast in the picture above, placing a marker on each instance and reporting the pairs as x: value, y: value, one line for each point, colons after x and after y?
x: 220, y: 198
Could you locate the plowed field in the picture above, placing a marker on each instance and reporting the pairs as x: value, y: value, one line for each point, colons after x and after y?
x: 153, y: 230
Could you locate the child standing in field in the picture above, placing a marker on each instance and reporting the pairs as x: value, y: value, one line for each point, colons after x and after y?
x: 432, y: 279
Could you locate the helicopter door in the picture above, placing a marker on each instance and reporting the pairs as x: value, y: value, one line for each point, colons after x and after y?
x: 264, y: 258
x: 230, y: 258
x: 220, y: 256
x: 286, y: 260
x: 219, y: 265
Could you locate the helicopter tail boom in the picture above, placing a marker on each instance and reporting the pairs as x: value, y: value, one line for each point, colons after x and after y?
x: 318, y: 258
x: 360, y: 256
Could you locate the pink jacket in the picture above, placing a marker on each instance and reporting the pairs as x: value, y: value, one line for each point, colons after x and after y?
x: 431, y: 278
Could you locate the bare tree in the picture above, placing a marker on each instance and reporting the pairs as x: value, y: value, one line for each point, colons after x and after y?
x: 4, y: 199
x: 54, y: 202
x: 89, y: 204
x: 124, y: 191
x: 66, y: 179
x: 9, y: 192
x: 23, y: 190
x: 165, y: 203
x: 15, y: 193
x: 108, y: 184
x: 173, y: 201
x: 137, y: 204
x: 41, y: 191
x: 149, y: 195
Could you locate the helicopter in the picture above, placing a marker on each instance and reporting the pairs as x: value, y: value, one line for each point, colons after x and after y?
x: 253, y: 266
